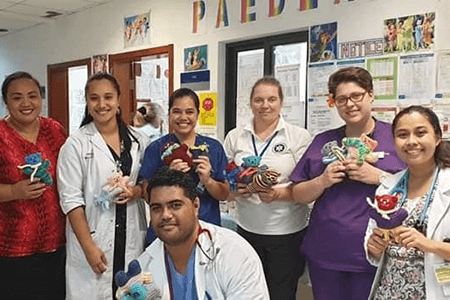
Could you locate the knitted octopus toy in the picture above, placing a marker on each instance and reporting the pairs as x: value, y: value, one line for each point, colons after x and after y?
x: 360, y: 148
x: 135, y: 284
x: 115, y: 184
x: 35, y: 167
x: 386, y: 212
x: 258, y: 178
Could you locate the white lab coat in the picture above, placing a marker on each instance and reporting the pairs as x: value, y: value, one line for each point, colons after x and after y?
x: 233, y: 270
x: 438, y: 229
x: 84, y: 164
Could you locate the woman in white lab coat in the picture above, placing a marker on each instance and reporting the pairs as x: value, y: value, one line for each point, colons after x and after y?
x: 102, y: 236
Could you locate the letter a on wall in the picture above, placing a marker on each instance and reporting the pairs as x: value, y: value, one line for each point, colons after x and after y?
x: 222, y: 15
x: 198, y: 15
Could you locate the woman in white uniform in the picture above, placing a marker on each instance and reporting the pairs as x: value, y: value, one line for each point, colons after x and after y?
x: 102, y: 236
x: 268, y: 219
x: 413, y: 259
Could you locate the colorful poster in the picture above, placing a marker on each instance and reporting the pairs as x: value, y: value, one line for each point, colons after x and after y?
x: 410, y: 33
x: 323, y: 42
x: 372, y: 47
x: 248, y: 13
x: 208, y: 109
x: 137, y: 30
x: 384, y: 75
x: 198, y: 15
x: 99, y: 64
x: 276, y: 7
x: 308, y: 4
x: 222, y: 15
x: 196, y: 58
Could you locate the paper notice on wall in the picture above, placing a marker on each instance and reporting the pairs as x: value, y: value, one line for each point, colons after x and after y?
x: 384, y: 75
x: 385, y: 114
x: 416, y: 76
x: 442, y: 110
x: 321, y: 117
x: 250, y: 69
x: 443, y: 75
x: 208, y: 109
x: 318, y: 75
x: 293, y: 103
x: 209, y: 131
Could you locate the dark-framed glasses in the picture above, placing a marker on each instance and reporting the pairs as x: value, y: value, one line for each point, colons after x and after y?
x: 355, y: 97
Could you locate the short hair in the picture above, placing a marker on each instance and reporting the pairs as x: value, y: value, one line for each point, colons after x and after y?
x: 166, y: 177
x: 269, y: 81
x: 442, y: 152
x: 184, y: 92
x: 16, y: 76
x: 358, y: 75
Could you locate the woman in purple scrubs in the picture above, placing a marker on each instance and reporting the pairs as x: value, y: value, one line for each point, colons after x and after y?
x: 333, y: 245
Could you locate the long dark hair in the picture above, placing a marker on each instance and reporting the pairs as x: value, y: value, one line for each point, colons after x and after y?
x: 124, y: 131
x: 442, y: 152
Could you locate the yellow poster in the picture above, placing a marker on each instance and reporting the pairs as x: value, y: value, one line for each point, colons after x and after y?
x: 208, y: 109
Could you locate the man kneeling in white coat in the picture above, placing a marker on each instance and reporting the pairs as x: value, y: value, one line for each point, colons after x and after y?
x: 192, y: 259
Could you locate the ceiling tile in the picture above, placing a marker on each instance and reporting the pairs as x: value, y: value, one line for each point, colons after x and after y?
x: 11, y: 21
x: 59, y: 5
x: 28, y: 10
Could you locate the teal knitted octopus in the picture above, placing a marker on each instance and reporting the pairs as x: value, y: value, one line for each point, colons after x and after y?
x: 35, y: 167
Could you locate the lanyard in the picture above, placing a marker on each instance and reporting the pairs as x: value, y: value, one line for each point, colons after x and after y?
x: 265, y: 148
x: 402, y: 188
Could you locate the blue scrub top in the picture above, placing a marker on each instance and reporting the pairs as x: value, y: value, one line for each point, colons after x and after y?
x: 183, y: 285
x: 209, y: 207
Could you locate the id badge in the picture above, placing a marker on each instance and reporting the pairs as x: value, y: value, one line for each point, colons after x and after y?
x: 442, y: 272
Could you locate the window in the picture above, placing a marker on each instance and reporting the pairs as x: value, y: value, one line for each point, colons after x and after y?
x: 282, y: 56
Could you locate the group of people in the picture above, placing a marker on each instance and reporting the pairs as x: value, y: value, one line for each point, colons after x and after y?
x: 188, y: 254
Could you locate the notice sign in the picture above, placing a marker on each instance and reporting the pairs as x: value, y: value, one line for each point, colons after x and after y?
x: 361, y: 48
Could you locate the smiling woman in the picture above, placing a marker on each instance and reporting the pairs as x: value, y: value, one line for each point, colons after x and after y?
x: 31, y: 222
x: 423, y: 193
x: 267, y: 217
x: 339, y: 190
x: 106, y: 228
x: 206, y: 166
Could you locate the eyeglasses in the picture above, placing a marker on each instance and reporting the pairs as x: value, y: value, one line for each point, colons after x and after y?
x: 355, y: 97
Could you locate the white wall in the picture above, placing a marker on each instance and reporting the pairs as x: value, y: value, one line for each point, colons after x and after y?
x: 100, y: 30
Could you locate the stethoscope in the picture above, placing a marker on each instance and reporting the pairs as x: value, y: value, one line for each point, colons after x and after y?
x: 402, y: 188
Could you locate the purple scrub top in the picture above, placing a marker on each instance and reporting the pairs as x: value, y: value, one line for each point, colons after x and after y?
x: 339, y: 218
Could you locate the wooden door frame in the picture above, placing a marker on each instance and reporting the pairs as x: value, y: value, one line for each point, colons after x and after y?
x: 59, y: 108
x: 132, y: 56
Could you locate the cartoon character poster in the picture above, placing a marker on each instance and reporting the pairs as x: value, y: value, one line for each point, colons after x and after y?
x: 196, y: 58
x: 409, y: 33
x: 137, y: 30
x: 323, y: 41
